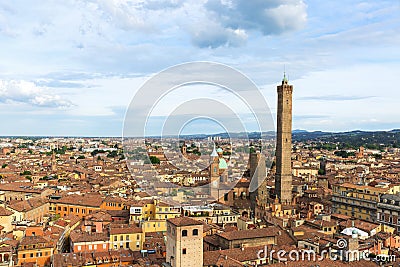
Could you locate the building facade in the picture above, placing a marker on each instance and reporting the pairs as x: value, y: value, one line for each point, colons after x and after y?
x: 359, y: 201
x: 388, y: 211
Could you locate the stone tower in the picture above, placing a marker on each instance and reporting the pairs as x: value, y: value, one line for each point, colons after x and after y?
x: 283, y: 178
x: 258, y: 173
x: 258, y: 168
x: 184, y: 242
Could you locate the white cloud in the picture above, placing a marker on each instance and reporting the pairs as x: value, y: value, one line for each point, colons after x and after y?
x: 213, y: 36
x: 28, y: 93
x: 267, y: 17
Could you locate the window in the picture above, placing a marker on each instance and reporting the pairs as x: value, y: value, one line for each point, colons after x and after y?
x: 31, y: 255
x: 226, y: 197
x: 90, y: 247
x: 184, y: 251
x: 137, y: 237
x: 127, y: 245
x: 195, y: 231
x: 115, y: 238
x: 23, y: 256
x: 71, y: 210
x: 184, y: 232
x: 127, y: 237
x: 121, y: 238
x: 65, y: 208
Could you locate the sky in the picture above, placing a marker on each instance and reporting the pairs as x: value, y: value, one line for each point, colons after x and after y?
x: 71, y: 68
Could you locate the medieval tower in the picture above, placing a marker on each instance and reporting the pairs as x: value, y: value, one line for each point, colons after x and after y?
x: 283, y: 178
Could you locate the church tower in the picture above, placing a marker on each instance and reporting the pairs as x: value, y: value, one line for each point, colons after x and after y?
x: 283, y: 178
x: 214, y: 166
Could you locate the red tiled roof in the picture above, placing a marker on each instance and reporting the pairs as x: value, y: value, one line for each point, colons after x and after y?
x: 184, y: 221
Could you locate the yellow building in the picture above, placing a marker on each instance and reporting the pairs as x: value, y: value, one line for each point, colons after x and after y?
x: 164, y: 211
x: 152, y: 214
x: 148, y: 209
x: 126, y: 237
x: 151, y: 226
x: 359, y: 201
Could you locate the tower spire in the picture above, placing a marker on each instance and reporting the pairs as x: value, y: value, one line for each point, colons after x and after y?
x: 214, y: 152
x: 285, y: 79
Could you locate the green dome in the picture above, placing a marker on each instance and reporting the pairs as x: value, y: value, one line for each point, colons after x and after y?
x: 222, y: 164
x: 219, y: 150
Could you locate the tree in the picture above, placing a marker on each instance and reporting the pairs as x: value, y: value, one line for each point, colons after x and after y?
x: 26, y: 173
x: 154, y: 160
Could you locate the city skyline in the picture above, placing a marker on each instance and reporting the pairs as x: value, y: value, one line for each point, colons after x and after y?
x: 75, y: 75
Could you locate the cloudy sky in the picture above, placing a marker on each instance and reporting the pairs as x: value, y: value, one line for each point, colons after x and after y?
x: 72, y: 67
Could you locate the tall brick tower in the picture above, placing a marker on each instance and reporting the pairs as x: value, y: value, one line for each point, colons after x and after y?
x: 283, y: 178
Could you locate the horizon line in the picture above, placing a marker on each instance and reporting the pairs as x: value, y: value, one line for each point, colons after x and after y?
x: 205, y: 134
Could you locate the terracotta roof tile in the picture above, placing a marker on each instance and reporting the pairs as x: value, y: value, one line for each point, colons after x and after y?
x: 184, y: 221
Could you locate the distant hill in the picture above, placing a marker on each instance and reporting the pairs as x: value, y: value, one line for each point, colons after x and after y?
x: 352, y: 139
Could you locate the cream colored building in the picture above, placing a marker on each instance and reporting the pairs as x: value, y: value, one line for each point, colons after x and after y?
x: 184, y: 242
x: 5, y: 220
